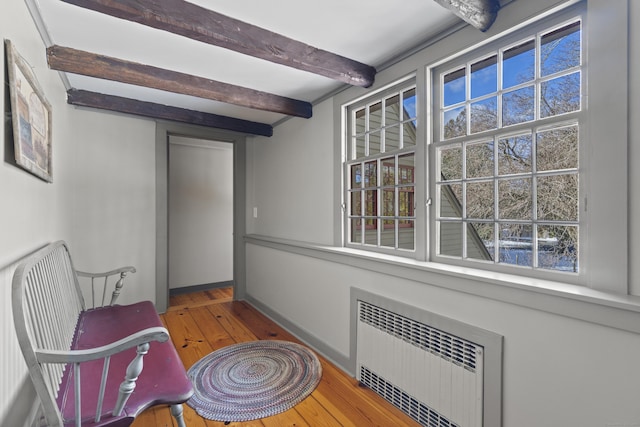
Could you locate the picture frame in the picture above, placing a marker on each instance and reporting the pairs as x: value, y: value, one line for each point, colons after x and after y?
x: 30, y: 116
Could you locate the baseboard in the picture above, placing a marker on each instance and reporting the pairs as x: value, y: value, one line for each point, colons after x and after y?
x: 199, y: 288
x: 314, y: 342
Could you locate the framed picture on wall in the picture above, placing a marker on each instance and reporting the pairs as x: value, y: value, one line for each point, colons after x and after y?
x: 31, y: 117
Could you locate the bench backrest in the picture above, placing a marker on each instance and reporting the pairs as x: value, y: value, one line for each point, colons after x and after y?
x: 47, y: 302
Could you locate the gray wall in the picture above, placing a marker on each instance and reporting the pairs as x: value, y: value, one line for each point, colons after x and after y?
x: 558, y: 370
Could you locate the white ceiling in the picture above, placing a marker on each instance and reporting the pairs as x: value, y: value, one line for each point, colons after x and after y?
x: 368, y: 31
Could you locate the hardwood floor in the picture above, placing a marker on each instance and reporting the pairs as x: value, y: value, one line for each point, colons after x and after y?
x: 202, y: 322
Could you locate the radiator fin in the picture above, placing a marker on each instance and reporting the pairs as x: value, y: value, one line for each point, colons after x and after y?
x: 403, y: 401
x: 449, y: 347
x: 432, y: 375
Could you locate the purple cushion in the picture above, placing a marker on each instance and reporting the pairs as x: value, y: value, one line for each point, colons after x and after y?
x: 163, y: 379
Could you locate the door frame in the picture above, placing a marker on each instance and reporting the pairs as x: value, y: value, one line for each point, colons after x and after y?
x: 163, y: 131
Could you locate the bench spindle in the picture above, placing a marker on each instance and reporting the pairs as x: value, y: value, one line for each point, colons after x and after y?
x: 129, y: 383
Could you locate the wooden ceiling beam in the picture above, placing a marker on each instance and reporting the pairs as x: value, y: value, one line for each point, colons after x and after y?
x: 104, y: 67
x: 198, y: 23
x: 152, y: 110
x: 479, y: 13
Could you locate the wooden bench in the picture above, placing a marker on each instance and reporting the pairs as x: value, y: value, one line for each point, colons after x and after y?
x: 87, y: 364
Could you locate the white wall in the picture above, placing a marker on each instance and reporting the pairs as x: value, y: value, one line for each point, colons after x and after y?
x: 558, y: 371
x: 200, y: 212
x: 101, y: 201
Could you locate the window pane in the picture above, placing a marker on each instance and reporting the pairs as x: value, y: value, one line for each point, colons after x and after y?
x: 557, y: 198
x: 454, y: 90
x: 450, y: 200
x: 371, y: 203
x: 406, y: 234
x: 558, y: 247
x: 356, y: 230
x: 356, y: 175
x: 518, y: 64
x: 371, y: 231
x: 374, y: 143
x: 450, y: 163
x: 371, y: 174
x: 514, y: 198
x: 375, y: 116
x: 514, y: 155
x: 484, y: 115
x: 406, y: 201
x: 360, y: 121
x: 392, y: 110
x: 480, y: 240
x: 454, y: 122
x: 480, y: 200
x: 356, y: 203
x: 409, y: 104
x: 560, y: 49
x: 389, y: 171
x: 406, y: 169
x: 479, y: 160
x: 360, y: 144
x: 389, y: 202
x: 561, y: 95
x: 484, y: 77
x: 518, y: 106
x: 515, y: 244
x: 557, y: 149
x: 409, y: 133
x: 392, y: 138
x: 388, y: 233
x: 450, y: 239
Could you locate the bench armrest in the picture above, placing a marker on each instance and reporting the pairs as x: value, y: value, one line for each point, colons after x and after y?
x: 157, y: 333
x: 120, y: 270
x: 123, y: 271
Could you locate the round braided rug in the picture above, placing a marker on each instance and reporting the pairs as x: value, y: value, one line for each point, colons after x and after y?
x: 253, y: 380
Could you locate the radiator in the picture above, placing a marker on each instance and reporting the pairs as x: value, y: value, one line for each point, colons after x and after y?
x: 433, y: 376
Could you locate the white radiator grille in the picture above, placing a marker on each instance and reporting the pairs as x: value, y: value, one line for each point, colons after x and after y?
x: 433, y: 376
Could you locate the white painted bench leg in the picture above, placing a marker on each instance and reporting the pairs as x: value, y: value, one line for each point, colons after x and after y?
x: 129, y: 383
x: 176, y: 411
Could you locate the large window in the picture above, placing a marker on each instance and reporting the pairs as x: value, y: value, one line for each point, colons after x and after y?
x: 381, y: 170
x: 506, y: 143
x: 513, y: 163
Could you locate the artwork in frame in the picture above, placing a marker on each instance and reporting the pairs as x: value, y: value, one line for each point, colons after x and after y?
x: 31, y: 117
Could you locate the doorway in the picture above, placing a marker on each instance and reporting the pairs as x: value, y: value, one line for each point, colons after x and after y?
x: 200, y: 214
x: 165, y: 132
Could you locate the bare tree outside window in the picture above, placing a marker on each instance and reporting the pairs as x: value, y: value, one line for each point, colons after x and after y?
x: 508, y: 154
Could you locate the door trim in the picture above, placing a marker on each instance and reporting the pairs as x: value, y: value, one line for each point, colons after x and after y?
x: 163, y: 131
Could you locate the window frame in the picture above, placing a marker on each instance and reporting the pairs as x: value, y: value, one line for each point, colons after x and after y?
x: 605, y: 269
x: 437, y: 139
x: 402, y: 85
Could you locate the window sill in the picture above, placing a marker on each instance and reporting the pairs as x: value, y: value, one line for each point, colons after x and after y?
x: 608, y: 309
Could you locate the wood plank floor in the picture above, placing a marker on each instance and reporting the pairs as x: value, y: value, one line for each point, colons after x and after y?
x: 202, y: 322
